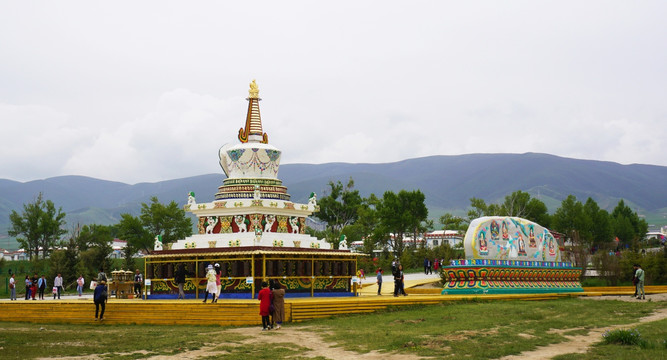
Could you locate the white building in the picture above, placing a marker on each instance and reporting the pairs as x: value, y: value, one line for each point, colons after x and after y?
x: 438, y: 237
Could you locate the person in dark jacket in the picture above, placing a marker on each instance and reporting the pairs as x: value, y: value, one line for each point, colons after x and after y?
x: 179, y: 277
x: 100, y: 298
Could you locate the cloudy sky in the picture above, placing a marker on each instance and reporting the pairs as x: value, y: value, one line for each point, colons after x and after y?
x: 138, y: 91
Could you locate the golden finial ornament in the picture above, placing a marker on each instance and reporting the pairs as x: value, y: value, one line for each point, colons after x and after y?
x: 253, y: 93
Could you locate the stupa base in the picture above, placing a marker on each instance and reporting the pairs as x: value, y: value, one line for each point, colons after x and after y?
x: 510, y: 277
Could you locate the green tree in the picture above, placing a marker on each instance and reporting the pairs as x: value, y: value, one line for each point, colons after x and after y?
x: 601, y: 230
x: 339, y: 209
x: 401, y: 214
x: 94, y: 244
x: 628, y: 227
x: 452, y: 222
x: 39, y: 226
x: 166, y: 220
x: 131, y: 229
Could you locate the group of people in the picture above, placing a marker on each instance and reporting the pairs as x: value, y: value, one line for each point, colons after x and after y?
x: 429, y: 265
x: 271, y: 305
x: 35, y: 287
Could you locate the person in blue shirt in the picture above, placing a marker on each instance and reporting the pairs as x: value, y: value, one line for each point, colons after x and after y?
x: 100, y: 298
x: 41, y: 284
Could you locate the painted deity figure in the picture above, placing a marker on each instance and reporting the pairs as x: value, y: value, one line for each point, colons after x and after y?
x: 506, y: 235
x: 312, y: 200
x: 211, y: 221
x: 270, y: 220
x: 294, y: 223
x: 483, y: 246
x: 522, y: 245
x: 157, y: 246
x: 342, y: 245
x: 240, y: 222
x: 552, y: 248
x: 495, y: 230
x: 191, y: 198
x: 531, y: 237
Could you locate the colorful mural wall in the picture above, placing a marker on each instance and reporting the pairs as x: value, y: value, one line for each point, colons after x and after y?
x: 509, y: 238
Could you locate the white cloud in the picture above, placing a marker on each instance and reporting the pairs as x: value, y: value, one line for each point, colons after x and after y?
x: 150, y: 91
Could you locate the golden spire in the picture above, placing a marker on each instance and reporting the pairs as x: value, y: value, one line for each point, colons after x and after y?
x: 253, y: 123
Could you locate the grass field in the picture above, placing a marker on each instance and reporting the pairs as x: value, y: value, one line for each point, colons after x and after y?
x: 471, y: 330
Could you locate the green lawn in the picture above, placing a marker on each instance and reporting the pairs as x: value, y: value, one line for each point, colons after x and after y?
x: 471, y: 330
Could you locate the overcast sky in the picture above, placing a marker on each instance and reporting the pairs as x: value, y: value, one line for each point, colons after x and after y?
x: 142, y: 91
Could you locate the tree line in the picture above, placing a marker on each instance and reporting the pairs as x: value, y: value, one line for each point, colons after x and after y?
x: 40, y: 229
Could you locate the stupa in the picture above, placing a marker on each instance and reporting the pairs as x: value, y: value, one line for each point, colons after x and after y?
x: 253, y: 230
x: 506, y: 255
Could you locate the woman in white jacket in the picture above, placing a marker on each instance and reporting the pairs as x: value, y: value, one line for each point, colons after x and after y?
x: 211, y: 286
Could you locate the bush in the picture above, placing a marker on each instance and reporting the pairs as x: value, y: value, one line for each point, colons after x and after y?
x: 623, y: 337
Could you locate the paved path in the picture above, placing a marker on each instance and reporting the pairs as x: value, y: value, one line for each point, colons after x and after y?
x: 369, y: 286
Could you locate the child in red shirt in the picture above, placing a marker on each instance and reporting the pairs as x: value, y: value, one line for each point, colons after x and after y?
x: 265, y: 298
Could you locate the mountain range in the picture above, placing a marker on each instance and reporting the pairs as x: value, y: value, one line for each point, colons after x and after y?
x: 448, y: 183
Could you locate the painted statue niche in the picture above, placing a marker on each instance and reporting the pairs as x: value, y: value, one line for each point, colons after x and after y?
x: 483, y: 245
x: 531, y: 237
x: 522, y: 245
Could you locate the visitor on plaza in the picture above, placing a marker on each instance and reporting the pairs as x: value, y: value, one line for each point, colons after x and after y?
x: 28, y: 287
x: 101, y: 276
x: 179, y: 277
x: 79, y: 284
x: 399, y: 280
x: 218, y: 284
x: 12, y: 288
x: 278, y: 304
x: 211, y: 287
x: 379, y: 280
x: 138, y: 281
x: 58, y: 285
x: 33, y: 289
x: 100, y: 298
x: 639, y: 275
x: 41, y: 284
x: 265, y: 298
x: 427, y: 266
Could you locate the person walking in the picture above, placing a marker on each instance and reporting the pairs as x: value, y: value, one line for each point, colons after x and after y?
x: 379, y: 280
x: 79, y: 284
x: 28, y: 287
x: 639, y: 275
x: 211, y: 287
x: 426, y: 265
x: 400, y: 282
x: 138, y: 281
x: 12, y: 288
x: 100, y: 298
x: 58, y: 284
x: 101, y: 276
x: 179, y: 277
x: 41, y: 284
x: 264, y: 298
x: 218, y: 284
x: 278, y: 304
x: 33, y: 289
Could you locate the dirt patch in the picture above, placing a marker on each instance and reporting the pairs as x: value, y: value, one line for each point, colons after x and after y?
x: 628, y: 298
x: 411, y: 321
x: 581, y: 343
x: 432, y: 285
x: 299, y: 335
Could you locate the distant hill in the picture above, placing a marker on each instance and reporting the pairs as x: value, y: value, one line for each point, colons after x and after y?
x: 447, y: 181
